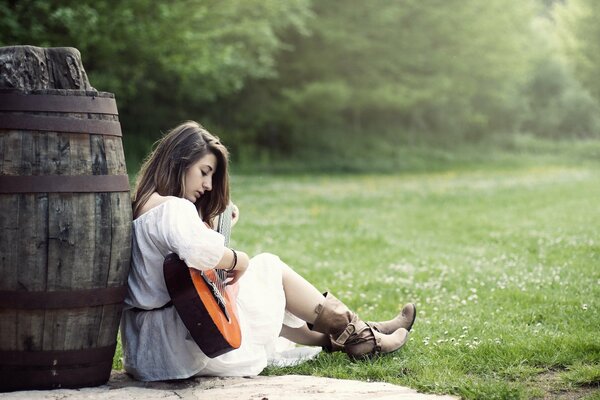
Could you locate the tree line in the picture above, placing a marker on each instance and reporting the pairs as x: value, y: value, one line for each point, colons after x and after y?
x: 311, y: 79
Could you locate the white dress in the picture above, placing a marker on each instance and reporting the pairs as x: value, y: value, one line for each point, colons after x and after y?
x: 156, y: 344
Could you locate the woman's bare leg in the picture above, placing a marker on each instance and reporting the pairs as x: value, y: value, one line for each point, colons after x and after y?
x: 333, y: 318
x: 305, y: 336
x: 302, y: 298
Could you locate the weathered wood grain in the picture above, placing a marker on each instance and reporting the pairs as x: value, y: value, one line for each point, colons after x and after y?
x: 30, y: 68
x: 9, y: 223
x: 32, y: 268
x: 53, y: 241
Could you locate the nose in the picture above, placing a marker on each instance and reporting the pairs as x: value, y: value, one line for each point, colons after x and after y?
x: 207, y: 184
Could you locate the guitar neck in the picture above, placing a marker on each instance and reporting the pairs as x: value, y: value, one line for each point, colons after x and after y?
x: 224, y: 224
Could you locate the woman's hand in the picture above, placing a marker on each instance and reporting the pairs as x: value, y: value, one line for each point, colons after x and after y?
x: 243, y: 261
x: 235, y: 214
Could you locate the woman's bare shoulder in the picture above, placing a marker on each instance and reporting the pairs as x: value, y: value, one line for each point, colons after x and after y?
x: 154, y: 201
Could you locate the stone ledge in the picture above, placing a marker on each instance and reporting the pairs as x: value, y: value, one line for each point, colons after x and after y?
x: 288, y: 387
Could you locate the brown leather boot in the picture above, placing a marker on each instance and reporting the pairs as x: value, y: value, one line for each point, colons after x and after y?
x: 348, y: 333
x: 405, y: 319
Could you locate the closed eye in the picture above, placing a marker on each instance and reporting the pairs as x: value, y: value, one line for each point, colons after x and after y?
x: 206, y: 171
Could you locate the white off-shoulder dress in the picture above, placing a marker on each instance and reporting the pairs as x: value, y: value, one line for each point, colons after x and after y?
x: 156, y: 344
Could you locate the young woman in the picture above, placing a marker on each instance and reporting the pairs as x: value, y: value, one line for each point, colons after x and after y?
x: 182, y: 186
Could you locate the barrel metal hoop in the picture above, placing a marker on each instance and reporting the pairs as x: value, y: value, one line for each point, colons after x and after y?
x: 61, y: 299
x: 63, y: 183
x: 60, y: 124
x: 53, y: 378
x: 56, y: 103
x: 53, y: 369
x: 57, y: 358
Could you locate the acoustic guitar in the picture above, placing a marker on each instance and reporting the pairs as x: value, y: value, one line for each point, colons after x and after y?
x: 205, y: 304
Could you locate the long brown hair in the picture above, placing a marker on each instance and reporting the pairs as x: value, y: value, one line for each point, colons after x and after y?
x: 164, y: 169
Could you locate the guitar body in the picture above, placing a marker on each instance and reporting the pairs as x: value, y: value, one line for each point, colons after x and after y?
x: 209, y: 317
x: 204, y: 303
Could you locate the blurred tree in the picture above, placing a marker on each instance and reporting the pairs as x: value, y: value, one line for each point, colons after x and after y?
x: 162, y: 59
x: 557, y: 105
x: 279, y: 77
x: 579, y: 31
x: 451, y: 68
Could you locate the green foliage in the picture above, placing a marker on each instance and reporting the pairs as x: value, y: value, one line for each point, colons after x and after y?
x: 163, y: 60
x: 578, y: 31
x: 193, y: 50
x: 315, y: 83
x: 556, y: 104
x: 448, y: 69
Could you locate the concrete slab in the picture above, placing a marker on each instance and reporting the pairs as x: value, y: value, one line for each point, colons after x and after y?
x: 290, y: 387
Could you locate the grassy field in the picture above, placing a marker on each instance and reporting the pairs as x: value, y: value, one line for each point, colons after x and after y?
x: 503, y: 264
x: 504, y: 267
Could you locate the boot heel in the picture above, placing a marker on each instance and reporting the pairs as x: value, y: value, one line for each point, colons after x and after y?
x: 383, y: 344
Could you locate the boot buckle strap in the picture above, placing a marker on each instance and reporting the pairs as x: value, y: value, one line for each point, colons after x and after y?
x: 349, y: 331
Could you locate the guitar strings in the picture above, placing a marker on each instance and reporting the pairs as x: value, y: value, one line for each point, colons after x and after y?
x: 224, y: 228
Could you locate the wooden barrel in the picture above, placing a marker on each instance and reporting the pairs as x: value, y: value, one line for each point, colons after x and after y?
x: 65, y: 226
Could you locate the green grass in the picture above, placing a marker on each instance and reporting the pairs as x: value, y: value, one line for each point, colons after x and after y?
x: 504, y: 267
x: 426, y: 155
x: 503, y: 264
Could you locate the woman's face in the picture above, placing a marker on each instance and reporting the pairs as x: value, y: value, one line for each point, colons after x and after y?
x: 198, y: 177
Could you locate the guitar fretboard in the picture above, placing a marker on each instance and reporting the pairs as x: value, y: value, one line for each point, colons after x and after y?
x: 224, y: 224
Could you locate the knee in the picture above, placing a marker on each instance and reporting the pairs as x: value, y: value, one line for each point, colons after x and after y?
x: 266, y: 259
x: 270, y: 262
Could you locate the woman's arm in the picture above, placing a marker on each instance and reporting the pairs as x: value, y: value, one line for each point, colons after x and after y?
x: 235, y: 264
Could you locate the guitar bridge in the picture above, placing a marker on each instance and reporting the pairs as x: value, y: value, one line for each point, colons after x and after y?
x: 221, y: 301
